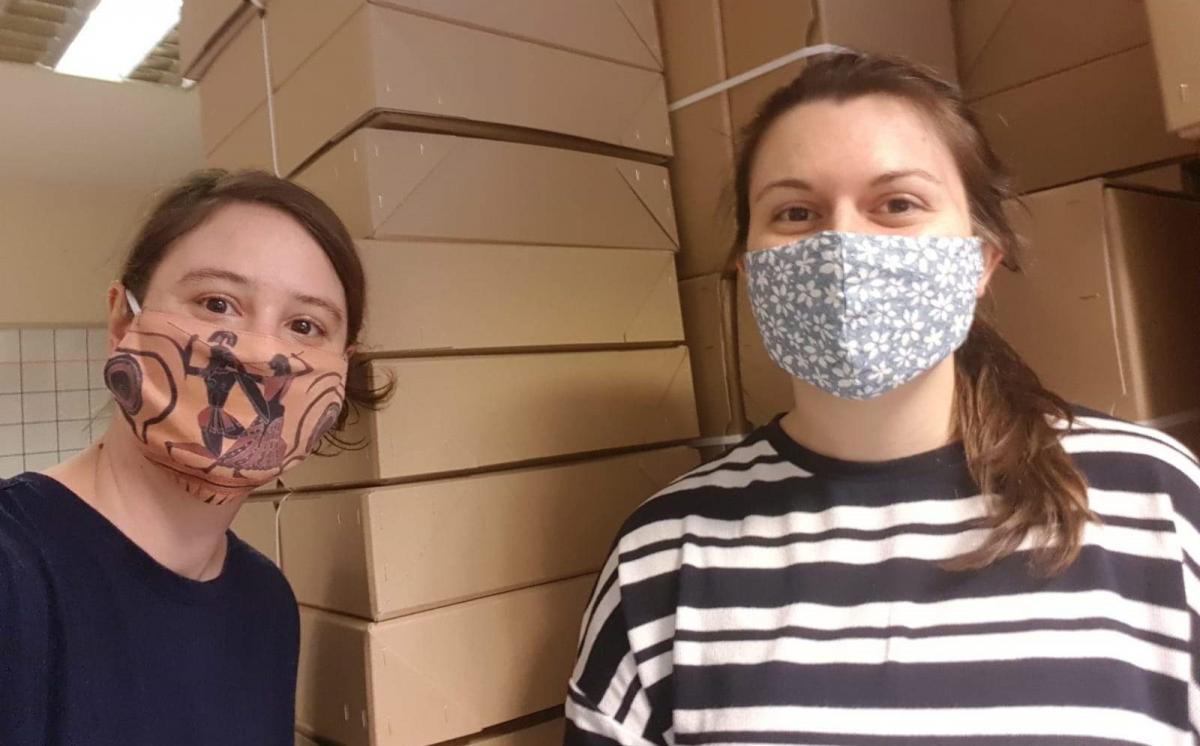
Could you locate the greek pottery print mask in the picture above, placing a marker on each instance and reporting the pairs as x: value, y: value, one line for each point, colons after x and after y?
x: 857, y: 315
x: 224, y: 411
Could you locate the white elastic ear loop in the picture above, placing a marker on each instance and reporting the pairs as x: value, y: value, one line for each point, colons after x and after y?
x: 133, y: 304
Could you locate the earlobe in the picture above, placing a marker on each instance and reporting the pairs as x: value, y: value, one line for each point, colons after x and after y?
x: 119, y: 314
x: 991, y: 261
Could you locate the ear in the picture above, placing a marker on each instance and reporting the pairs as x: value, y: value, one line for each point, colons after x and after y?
x: 991, y: 260
x: 741, y: 263
x: 120, y: 316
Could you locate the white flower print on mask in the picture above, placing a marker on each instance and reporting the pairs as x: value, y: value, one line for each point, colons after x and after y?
x: 858, y: 315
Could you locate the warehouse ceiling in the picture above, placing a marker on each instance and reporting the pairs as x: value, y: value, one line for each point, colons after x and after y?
x: 37, y: 32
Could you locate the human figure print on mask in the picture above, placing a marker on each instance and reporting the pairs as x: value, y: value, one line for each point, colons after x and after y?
x: 222, y: 373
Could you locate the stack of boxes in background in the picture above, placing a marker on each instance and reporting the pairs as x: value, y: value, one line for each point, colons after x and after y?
x: 502, y: 168
x: 1068, y: 94
x: 705, y: 43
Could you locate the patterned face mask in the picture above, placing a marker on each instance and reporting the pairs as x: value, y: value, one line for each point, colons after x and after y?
x: 224, y: 411
x: 857, y: 315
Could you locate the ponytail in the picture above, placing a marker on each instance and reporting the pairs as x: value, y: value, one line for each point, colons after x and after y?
x: 1011, y: 428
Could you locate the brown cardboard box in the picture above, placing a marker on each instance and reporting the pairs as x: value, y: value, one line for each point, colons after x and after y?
x: 462, y: 413
x: 205, y: 26
x: 709, y: 322
x: 426, y: 297
x: 1088, y: 121
x: 766, y: 388
x: 706, y: 42
x: 619, y: 30
x: 1173, y: 27
x: 248, y: 146
x: 391, y: 551
x: 385, y: 60
x: 234, y: 85
x: 545, y: 733
x: 255, y: 525
x: 1173, y: 177
x: 1106, y: 312
x: 439, y: 674
x: 389, y: 184
x: 1003, y: 44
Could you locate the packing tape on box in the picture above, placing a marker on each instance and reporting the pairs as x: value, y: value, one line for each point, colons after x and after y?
x: 756, y: 72
x: 262, y: 21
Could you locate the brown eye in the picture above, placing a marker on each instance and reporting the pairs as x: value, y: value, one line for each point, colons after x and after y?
x: 796, y: 214
x: 216, y: 305
x: 899, y: 205
x: 306, y: 328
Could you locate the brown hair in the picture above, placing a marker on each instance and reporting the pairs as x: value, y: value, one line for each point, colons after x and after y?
x: 191, y: 202
x: 1005, y: 417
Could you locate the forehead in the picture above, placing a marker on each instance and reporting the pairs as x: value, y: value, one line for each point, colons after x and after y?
x: 861, y: 137
x: 261, y: 243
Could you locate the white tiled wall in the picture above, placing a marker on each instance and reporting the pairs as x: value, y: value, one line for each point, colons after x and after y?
x: 51, y: 395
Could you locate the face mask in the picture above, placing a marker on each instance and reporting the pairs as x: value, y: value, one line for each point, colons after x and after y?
x: 858, y: 315
x: 224, y: 411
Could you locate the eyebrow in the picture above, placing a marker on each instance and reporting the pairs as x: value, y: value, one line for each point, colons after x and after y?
x: 891, y: 176
x: 212, y: 273
x: 800, y: 184
x: 326, y: 305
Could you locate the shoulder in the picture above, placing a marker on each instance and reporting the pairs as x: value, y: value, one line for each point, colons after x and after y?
x: 721, y: 489
x: 261, y: 583
x: 20, y: 545
x: 1124, y: 457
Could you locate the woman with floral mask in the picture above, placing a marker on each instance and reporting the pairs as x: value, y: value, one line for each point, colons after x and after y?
x: 929, y: 547
x: 129, y: 613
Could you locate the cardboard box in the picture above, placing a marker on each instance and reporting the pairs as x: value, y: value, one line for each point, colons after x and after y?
x: 1174, y: 177
x: 440, y: 674
x: 205, y: 26
x: 255, y: 525
x: 391, y: 551
x: 706, y: 42
x: 623, y: 31
x: 426, y: 297
x: 545, y: 733
x: 709, y: 321
x: 1173, y: 27
x: 457, y: 414
x: 248, y: 146
x: 766, y: 388
x: 423, y: 72
x: 1106, y: 310
x: 1088, y: 121
x: 234, y: 86
x: 1003, y: 44
x: 389, y: 184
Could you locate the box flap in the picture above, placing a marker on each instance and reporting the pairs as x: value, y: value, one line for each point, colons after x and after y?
x: 447, y: 187
x: 920, y: 30
x: 205, y: 26
x: 235, y: 85
x: 708, y: 315
x: 1059, y: 313
x: 452, y: 672
x: 701, y: 177
x: 248, y: 146
x: 1155, y: 250
x: 332, y: 699
x: 692, y: 50
x: 428, y: 297
x: 1173, y: 26
x: 476, y: 411
x: 1034, y: 38
x: 323, y: 536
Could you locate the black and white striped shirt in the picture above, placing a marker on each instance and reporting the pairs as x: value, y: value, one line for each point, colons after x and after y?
x: 776, y: 596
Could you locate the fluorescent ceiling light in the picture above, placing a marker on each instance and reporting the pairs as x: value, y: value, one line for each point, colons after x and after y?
x: 117, y: 36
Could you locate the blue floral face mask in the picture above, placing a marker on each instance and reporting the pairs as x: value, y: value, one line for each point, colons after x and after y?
x: 857, y: 315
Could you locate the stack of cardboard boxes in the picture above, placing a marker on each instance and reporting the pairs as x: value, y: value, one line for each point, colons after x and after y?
x: 1069, y: 95
x: 503, y: 169
x: 708, y: 42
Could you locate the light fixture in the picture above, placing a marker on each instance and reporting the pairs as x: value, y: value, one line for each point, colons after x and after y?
x: 117, y: 36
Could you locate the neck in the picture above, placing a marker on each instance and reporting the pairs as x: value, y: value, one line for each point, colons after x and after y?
x: 914, y: 418
x: 180, y: 532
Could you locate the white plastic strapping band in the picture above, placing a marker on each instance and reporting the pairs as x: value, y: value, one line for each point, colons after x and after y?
x: 278, y: 530
x: 262, y: 18
x: 720, y: 440
x: 756, y: 72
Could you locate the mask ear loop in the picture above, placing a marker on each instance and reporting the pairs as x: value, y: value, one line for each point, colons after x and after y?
x: 133, y: 303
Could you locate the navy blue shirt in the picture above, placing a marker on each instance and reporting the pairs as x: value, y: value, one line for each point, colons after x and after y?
x: 100, y: 644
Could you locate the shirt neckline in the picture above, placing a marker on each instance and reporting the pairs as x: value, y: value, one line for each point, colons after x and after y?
x: 92, y: 528
x: 949, y: 456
